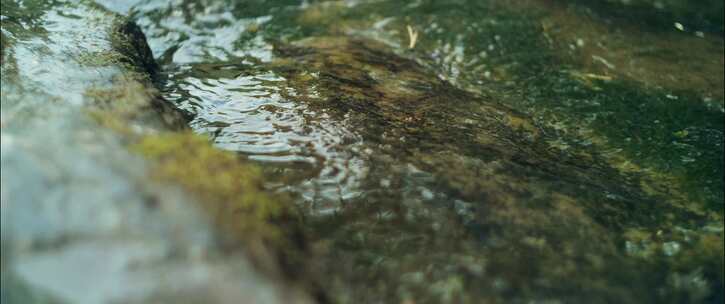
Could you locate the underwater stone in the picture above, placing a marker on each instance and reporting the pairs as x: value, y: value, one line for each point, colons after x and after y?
x: 388, y: 97
x: 561, y: 209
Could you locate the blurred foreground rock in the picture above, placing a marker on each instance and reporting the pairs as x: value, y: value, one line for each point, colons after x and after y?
x: 81, y: 220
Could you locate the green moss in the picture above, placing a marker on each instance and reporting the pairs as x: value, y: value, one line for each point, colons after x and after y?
x: 382, y: 93
x: 228, y: 189
x: 126, y: 97
x: 100, y: 59
x: 129, y: 102
x: 647, y: 125
x: 531, y: 71
x: 231, y: 191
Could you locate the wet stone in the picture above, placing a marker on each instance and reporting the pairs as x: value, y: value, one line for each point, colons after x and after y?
x: 502, y: 165
x: 425, y: 152
x: 82, y: 220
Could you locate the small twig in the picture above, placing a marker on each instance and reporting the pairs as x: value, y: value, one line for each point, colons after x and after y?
x: 413, y: 35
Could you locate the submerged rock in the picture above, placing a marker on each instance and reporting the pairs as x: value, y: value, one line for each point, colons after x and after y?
x: 409, y: 112
x: 541, y: 219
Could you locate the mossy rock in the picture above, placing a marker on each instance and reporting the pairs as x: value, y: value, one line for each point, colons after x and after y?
x: 534, y: 197
x: 128, y: 39
x: 395, y: 102
x: 232, y: 191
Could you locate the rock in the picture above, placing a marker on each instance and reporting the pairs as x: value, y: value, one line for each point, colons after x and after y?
x: 394, y: 102
x: 82, y: 221
x: 531, y: 197
x: 129, y: 40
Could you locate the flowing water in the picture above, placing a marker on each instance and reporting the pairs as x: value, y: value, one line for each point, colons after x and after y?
x: 460, y: 151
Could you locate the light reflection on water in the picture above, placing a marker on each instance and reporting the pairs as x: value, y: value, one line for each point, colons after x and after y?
x: 247, y: 114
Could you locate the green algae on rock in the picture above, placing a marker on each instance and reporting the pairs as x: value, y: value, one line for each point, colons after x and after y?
x: 132, y: 95
x: 131, y: 100
x: 396, y: 103
x: 232, y: 191
x: 228, y: 189
x: 571, y: 72
x: 499, y: 161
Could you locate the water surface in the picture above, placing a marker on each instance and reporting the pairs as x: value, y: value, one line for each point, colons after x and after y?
x: 612, y: 192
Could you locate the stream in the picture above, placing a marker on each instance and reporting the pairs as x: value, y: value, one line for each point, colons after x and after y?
x: 294, y: 151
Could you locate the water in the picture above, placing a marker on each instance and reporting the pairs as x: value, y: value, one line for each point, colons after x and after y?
x: 519, y: 151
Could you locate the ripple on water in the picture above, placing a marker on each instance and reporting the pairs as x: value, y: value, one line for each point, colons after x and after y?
x: 248, y: 114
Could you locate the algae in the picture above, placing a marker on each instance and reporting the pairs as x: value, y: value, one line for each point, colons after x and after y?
x: 246, y: 214
x: 232, y: 191
x: 130, y: 101
x: 501, y: 161
x: 128, y: 39
x: 621, y: 51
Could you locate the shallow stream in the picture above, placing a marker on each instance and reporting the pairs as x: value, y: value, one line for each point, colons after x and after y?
x: 527, y: 151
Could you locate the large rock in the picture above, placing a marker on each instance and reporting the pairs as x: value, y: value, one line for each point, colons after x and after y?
x: 396, y: 103
x: 539, y: 217
x: 82, y: 222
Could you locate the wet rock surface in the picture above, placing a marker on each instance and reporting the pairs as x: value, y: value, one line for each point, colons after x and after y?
x: 509, y: 194
x: 419, y: 119
x: 362, y: 151
x: 82, y: 221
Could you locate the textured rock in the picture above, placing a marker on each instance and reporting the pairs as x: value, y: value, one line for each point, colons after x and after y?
x: 82, y: 221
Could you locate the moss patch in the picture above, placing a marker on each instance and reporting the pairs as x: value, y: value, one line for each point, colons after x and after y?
x: 230, y: 191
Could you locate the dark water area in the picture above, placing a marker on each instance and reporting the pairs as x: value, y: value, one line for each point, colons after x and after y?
x: 526, y: 151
